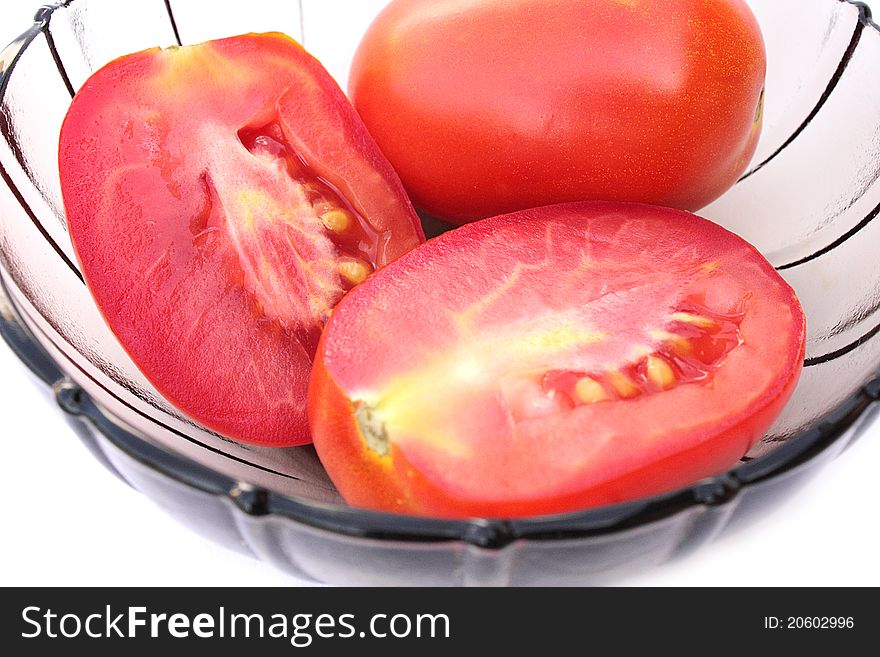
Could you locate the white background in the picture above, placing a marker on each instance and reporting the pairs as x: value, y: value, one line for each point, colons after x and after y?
x: 67, y: 521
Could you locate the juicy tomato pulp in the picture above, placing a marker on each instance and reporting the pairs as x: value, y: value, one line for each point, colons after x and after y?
x: 221, y: 199
x: 552, y: 360
x: 491, y: 106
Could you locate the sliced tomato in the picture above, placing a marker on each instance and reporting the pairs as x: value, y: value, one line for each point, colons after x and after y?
x: 551, y: 360
x: 221, y: 199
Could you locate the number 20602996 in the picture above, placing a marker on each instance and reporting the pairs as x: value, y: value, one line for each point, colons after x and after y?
x: 809, y: 622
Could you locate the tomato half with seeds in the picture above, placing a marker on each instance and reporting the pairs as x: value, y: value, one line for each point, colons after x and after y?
x: 491, y: 106
x: 552, y: 360
x: 221, y: 199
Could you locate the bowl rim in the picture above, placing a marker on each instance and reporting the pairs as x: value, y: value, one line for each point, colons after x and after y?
x: 492, y: 533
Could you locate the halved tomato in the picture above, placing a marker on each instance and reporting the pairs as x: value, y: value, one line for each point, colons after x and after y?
x: 551, y: 360
x: 221, y: 199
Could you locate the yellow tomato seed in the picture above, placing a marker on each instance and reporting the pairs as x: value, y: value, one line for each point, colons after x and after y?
x: 660, y: 373
x: 622, y: 385
x: 337, y: 220
x: 354, y: 271
x: 589, y: 391
x: 696, y: 320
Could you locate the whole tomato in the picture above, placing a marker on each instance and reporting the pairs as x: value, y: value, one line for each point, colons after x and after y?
x: 491, y: 106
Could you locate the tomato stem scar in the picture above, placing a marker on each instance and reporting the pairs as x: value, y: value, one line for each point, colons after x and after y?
x: 372, y: 430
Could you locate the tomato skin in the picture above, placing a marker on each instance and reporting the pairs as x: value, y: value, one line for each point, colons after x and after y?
x: 493, y: 106
x: 455, y: 447
x: 199, y: 235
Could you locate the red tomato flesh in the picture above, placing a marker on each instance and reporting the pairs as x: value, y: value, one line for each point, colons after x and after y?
x: 221, y: 199
x: 491, y: 106
x: 552, y: 360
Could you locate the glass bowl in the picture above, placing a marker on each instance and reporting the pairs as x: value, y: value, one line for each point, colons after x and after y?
x: 808, y: 201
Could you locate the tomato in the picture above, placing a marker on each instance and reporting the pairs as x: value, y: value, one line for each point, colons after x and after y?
x: 491, y: 106
x: 552, y: 360
x: 221, y: 199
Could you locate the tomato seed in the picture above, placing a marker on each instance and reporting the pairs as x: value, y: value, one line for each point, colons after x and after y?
x: 699, y: 321
x: 659, y: 372
x: 623, y: 385
x: 590, y: 391
x: 354, y: 271
x: 336, y: 220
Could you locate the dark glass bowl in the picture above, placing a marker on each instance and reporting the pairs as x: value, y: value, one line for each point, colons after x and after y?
x: 809, y: 202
